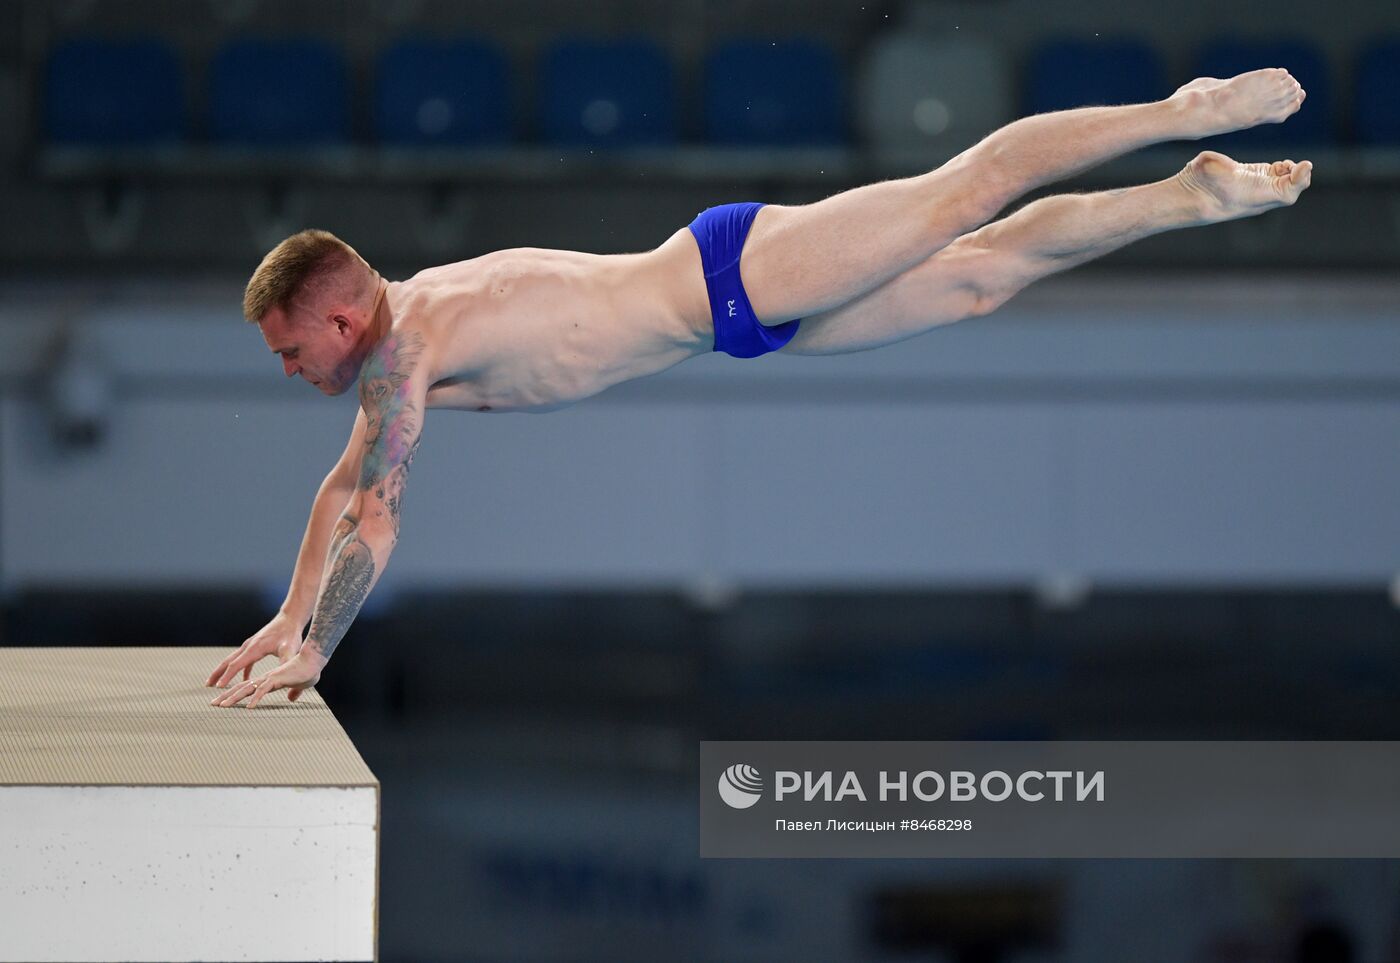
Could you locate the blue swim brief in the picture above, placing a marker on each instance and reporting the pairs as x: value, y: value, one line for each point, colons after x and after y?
x: 720, y: 232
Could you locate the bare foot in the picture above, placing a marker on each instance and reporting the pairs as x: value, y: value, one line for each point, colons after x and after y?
x: 1227, y: 189
x: 1268, y: 96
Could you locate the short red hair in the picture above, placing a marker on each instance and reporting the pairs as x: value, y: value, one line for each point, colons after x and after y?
x: 307, y: 258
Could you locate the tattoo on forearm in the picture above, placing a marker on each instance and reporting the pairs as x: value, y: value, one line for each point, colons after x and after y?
x: 352, y: 573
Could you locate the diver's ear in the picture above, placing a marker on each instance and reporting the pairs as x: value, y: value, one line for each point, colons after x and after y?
x: 341, y: 322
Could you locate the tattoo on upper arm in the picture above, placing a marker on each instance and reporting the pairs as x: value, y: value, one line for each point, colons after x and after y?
x: 393, y: 422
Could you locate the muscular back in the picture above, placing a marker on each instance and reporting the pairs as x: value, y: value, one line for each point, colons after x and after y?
x: 530, y: 329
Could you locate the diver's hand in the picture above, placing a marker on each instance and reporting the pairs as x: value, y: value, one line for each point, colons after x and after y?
x: 280, y: 637
x: 300, y: 672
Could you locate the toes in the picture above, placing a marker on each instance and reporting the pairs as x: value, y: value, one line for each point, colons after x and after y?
x: 1296, y: 182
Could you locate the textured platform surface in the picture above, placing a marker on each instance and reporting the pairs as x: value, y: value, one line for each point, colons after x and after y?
x: 141, y: 716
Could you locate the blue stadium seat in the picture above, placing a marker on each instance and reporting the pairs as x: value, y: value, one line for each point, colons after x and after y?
x: 114, y: 93
x: 442, y: 92
x: 1311, y: 125
x: 278, y: 93
x: 1079, y: 73
x: 607, y: 94
x: 1378, y: 93
x: 773, y: 93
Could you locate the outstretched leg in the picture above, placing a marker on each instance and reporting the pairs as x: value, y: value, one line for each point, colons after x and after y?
x: 980, y: 271
x: 799, y: 261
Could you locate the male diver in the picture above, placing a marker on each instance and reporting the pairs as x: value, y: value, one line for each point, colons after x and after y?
x: 533, y: 330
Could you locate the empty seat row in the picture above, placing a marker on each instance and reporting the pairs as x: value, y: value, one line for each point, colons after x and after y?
x: 263, y: 93
x: 911, y: 89
x: 915, y: 89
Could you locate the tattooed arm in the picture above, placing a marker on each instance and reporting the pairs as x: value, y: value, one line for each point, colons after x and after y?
x: 393, y: 385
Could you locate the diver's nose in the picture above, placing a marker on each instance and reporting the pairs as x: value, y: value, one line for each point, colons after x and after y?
x: 289, y: 367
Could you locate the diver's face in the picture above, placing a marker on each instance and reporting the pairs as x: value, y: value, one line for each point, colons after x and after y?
x: 317, y: 350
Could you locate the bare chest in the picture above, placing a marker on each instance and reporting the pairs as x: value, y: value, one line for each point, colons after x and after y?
x: 538, y: 337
